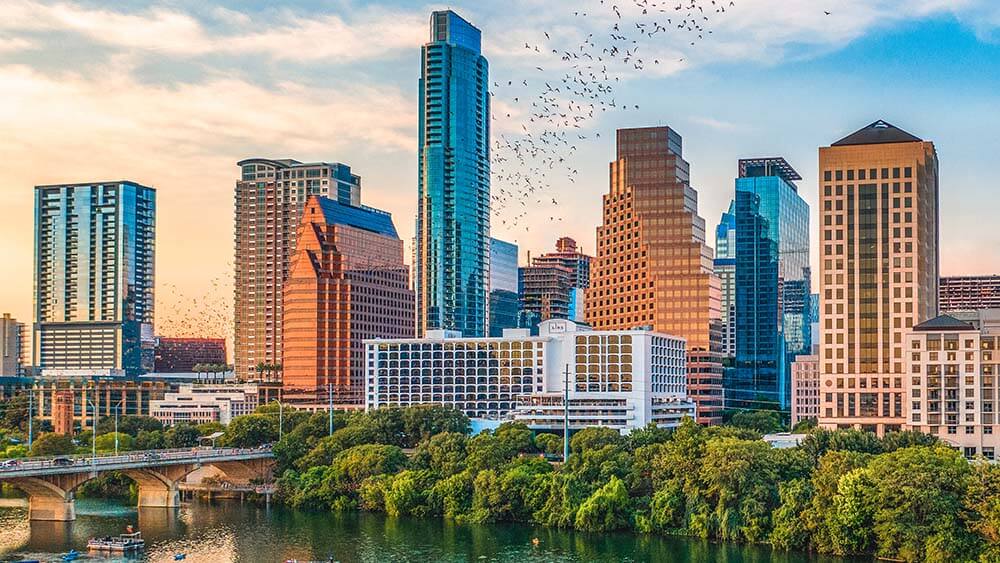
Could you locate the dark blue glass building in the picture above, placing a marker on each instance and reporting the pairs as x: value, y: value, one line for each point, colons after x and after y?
x: 504, y: 300
x: 772, y: 284
x: 453, y: 208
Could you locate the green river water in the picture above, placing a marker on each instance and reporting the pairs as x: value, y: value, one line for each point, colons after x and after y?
x: 230, y: 531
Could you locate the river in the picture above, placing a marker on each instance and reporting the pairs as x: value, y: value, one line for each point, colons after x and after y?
x: 230, y: 531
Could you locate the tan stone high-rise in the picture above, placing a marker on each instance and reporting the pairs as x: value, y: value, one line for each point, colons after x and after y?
x: 653, y: 267
x: 269, y: 199
x: 878, y: 237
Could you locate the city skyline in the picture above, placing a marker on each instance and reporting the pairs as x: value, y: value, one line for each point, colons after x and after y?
x: 193, y: 172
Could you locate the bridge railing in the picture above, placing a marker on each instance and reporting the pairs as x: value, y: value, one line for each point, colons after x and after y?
x: 84, y: 460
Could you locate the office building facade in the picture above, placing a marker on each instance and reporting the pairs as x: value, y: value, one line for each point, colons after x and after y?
x: 952, y: 371
x: 652, y: 266
x: 347, y: 283
x: 11, y: 346
x: 878, y: 270
x: 504, y: 299
x: 725, y: 268
x: 554, y: 285
x: 181, y: 355
x: 805, y: 389
x: 452, y: 248
x: 269, y: 198
x: 94, y: 279
x: 623, y: 379
x: 772, y: 285
x: 198, y: 404
x: 969, y: 293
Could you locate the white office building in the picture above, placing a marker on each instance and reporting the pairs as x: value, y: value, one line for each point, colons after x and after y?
x: 622, y: 379
x: 196, y: 404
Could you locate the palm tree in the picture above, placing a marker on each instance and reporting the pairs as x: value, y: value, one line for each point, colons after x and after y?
x: 262, y: 369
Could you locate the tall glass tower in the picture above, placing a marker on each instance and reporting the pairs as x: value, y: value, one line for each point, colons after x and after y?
x: 453, y: 206
x: 772, y: 284
x: 94, y: 263
x: 725, y: 268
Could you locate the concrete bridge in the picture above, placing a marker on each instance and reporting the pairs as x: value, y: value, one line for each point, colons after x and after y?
x: 51, y: 482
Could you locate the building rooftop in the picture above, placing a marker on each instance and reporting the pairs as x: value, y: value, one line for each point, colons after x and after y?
x: 877, y: 133
x: 366, y: 218
x: 941, y: 323
x: 771, y: 166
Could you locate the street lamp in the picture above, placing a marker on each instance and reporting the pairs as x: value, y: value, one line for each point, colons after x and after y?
x: 93, y: 435
x: 119, y: 404
x: 31, y: 414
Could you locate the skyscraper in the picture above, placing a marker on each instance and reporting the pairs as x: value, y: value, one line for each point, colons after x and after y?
x: 878, y: 270
x: 653, y: 267
x: 347, y: 283
x: 504, y: 301
x: 94, y: 245
x: 268, y: 205
x: 725, y: 269
x: 772, y: 284
x: 453, y: 206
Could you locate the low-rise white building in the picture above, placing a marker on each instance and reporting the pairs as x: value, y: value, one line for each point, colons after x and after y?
x: 622, y: 379
x: 196, y: 404
x: 953, y: 362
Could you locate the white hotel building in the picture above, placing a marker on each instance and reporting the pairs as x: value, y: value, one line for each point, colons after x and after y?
x: 623, y: 379
x: 196, y: 404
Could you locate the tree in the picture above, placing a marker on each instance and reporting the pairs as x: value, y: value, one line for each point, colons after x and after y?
x: 424, y: 421
x: 593, y: 438
x: 605, y: 510
x: 52, y: 444
x: 250, y: 431
x: 804, y: 426
x: 129, y: 424
x: 354, y: 465
x: 106, y: 442
x: 443, y: 453
x: 514, y: 437
x: 549, y: 443
x: 181, y: 435
x: 150, y: 440
x: 982, y: 500
x: 206, y: 428
x: 764, y: 422
x: 790, y: 530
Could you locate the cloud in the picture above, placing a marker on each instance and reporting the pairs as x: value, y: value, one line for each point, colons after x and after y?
x: 11, y: 44
x: 282, y: 35
x: 712, y: 123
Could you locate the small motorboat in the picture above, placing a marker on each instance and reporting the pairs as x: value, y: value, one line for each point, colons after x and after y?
x: 129, y: 542
x: 71, y: 555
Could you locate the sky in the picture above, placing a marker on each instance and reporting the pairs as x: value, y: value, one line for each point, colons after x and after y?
x: 173, y: 94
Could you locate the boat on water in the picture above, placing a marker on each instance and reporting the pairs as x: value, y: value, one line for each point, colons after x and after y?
x: 129, y: 542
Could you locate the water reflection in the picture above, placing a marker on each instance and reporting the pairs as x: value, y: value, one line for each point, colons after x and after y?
x: 231, y: 531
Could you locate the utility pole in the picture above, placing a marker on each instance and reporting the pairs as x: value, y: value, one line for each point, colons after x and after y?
x: 93, y: 436
x: 566, y: 414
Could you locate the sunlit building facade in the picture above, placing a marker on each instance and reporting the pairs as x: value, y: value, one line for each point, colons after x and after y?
x: 452, y: 248
x: 94, y: 279
x: 772, y: 282
x: 347, y: 283
x: 805, y: 389
x: 879, y: 275
x: 653, y: 268
x: 269, y: 198
x: 969, y: 293
x: 725, y: 268
x: 11, y: 346
x: 182, y: 355
x: 621, y: 379
x: 952, y: 370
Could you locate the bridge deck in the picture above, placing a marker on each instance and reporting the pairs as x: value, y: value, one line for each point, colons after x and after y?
x: 64, y: 465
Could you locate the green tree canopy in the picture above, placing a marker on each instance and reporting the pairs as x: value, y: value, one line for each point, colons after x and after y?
x: 52, y: 444
x: 250, y: 431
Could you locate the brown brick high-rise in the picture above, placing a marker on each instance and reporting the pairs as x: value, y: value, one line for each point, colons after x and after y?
x: 346, y: 283
x: 653, y: 267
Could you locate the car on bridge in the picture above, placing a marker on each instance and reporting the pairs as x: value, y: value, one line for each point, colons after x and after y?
x: 62, y: 461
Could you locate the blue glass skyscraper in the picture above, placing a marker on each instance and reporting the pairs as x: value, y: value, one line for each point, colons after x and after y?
x: 725, y: 267
x: 453, y: 207
x: 772, y: 284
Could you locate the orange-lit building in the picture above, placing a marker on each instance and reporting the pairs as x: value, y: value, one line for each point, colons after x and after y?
x: 346, y: 283
x: 62, y: 413
x: 653, y: 268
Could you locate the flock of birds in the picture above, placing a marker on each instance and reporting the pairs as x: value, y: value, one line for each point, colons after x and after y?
x: 576, y: 85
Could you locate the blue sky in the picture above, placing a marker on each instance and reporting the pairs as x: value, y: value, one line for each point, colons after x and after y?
x: 174, y: 93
